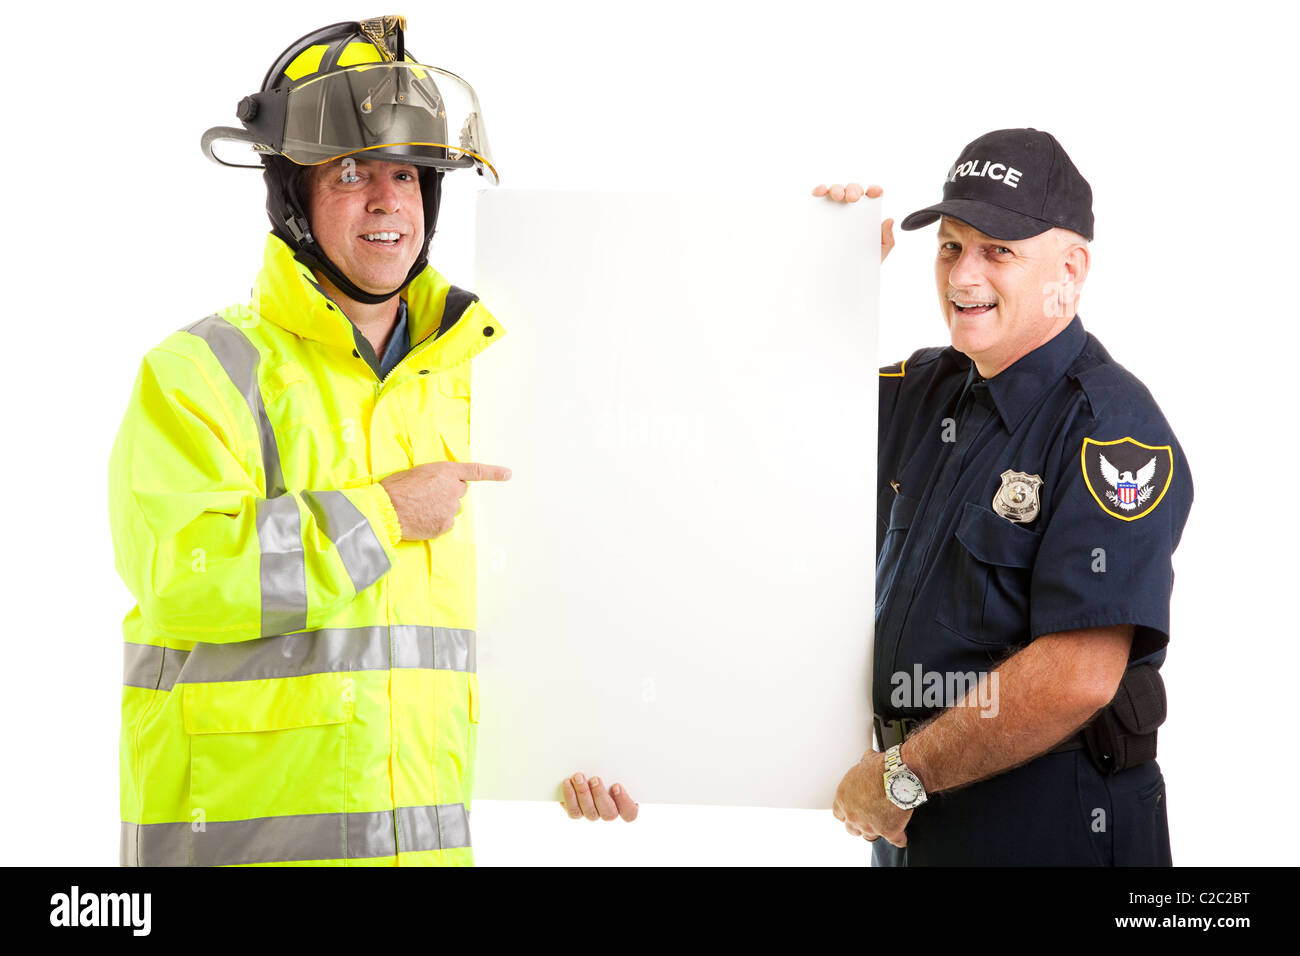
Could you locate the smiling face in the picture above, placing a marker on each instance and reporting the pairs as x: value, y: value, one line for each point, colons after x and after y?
x: 368, y: 216
x: 1001, y: 299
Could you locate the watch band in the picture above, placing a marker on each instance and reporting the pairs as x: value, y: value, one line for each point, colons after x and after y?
x: 893, y: 758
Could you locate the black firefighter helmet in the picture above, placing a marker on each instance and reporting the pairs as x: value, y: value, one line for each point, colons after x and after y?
x: 351, y: 89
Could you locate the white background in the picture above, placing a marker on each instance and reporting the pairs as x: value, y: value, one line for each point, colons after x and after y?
x: 1181, y: 115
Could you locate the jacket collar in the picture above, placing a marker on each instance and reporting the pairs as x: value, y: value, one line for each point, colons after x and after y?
x: 288, y: 295
x: 1017, y: 388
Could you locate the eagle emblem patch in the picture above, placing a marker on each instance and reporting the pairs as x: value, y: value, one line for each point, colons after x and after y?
x: 1126, y: 477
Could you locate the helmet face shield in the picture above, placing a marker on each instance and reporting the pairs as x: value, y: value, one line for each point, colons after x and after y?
x: 351, y: 89
x: 400, y: 112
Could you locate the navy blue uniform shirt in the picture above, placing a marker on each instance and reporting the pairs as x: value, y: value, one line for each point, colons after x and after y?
x: 1069, y: 441
x: 960, y: 587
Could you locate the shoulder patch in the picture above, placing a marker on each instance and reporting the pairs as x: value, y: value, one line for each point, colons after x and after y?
x: 1125, y: 477
x: 897, y: 370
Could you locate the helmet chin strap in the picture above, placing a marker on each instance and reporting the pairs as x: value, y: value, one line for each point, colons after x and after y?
x: 345, y: 285
x: 290, y: 223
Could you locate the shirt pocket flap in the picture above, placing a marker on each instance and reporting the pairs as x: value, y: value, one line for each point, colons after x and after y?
x: 230, y: 707
x: 995, y: 540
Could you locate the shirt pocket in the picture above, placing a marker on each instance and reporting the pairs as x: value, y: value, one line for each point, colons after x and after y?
x: 902, y: 510
x: 986, y: 597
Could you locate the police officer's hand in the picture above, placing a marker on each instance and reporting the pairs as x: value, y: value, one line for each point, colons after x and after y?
x: 852, y: 193
x: 861, y: 805
x: 427, y: 497
x: 590, y: 799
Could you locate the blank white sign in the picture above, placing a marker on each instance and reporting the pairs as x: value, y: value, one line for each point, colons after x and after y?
x: 676, y: 587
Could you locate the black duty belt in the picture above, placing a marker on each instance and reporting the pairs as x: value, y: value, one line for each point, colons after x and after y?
x: 1121, y: 735
x: 895, y: 731
x: 1075, y: 741
x: 890, y: 732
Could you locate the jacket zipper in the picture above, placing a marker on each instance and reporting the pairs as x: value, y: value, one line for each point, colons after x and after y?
x: 419, y: 347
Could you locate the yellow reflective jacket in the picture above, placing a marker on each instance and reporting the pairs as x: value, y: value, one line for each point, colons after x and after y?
x: 299, y: 682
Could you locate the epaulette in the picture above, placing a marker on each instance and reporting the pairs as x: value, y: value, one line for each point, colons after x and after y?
x: 916, y: 359
x: 1110, y: 387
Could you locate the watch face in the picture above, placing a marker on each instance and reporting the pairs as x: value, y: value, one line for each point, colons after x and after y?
x: 905, y: 788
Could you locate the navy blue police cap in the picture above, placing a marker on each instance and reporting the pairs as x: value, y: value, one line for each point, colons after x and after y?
x: 1013, y: 184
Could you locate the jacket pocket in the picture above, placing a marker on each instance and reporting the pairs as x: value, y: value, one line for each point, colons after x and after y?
x: 986, y: 600
x: 453, y: 411
x: 439, y: 405
x: 268, y: 748
x: 471, y: 756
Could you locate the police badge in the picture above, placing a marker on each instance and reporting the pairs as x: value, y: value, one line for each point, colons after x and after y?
x: 1017, y: 499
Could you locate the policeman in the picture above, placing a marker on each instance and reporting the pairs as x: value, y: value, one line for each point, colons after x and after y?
x: 287, y: 499
x: 1030, y: 496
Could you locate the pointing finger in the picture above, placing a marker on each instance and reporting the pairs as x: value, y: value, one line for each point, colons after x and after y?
x: 473, y: 471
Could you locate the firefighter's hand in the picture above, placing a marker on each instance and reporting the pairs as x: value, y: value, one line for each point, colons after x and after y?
x: 861, y: 805
x: 590, y: 799
x: 852, y: 193
x: 427, y: 497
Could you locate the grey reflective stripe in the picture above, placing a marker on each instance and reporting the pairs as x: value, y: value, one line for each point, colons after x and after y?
x: 155, y: 844
x: 128, y: 850
x: 439, y: 648
x: 290, y: 655
x: 433, y: 827
x: 311, y: 652
x: 151, y: 667
x: 315, y: 652
x: 344, y: 524
x: 288, y: 839
x: 284, y: 569
x: 239, y: 357
x: 283, y: 565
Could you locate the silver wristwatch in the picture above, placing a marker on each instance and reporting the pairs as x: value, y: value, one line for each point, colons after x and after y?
x: 902, y: 787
